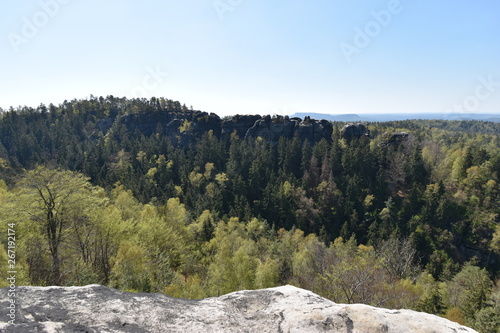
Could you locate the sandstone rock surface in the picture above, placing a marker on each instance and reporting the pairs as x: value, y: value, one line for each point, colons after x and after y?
x: 96, y: 308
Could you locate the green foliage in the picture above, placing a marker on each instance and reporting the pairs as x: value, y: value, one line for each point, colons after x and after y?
x: 129, y: 270
x: 431, y: 301
x: 190, y: 287
x: 454, y: 314
x: 469, y: 290
x: 488, y: 318
x: 55, y: 204
x: 355, y: 275
x: 165, y: 239
x: 234, y: 262
x: 267, y: 274
x: 185, y: 127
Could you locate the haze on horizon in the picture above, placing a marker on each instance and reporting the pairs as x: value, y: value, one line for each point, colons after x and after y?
x: 256, y: 56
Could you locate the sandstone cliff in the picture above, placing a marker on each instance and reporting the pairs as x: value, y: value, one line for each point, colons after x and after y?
x: 96, y: 308
x: 196, y: 123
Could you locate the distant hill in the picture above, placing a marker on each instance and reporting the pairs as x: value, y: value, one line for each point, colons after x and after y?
x: 403, y: 116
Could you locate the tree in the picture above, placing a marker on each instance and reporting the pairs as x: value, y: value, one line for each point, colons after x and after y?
x: 165, y: 239
x: 54, y: 201
x: 431, y: 300
x: 267, y: 274
x: 469, y: 290
x: 234, y: 261
x: 399, y: 257
x: 129, y: 270
x: 487, y: 320
x: 353, y: 275
x: 106, y: 238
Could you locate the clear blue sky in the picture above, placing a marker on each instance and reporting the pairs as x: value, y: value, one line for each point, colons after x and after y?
x: 256, y: 56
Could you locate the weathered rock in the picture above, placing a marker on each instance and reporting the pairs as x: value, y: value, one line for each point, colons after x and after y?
x: 397, y: 138
x: 262, y: 129
x: 104, y: 125
x: 323, y: 129
x: 240, y: 124
x: 147, y: 122
x: 289, y: 126
x: 272, y: 129
x: 203, y: 122
x: 174, y: 125
x: 354, y: 131
x: 245, y: 126
x: 305, y: 129
x: 96, y: 308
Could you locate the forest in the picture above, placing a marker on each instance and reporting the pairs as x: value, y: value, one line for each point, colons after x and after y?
x: 405, y: 216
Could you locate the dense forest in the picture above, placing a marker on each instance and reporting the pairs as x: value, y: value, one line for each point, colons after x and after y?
x: 404, y: 214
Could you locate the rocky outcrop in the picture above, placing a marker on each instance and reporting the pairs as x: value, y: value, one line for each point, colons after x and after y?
x: 147, y: 122
x: 240, y: 124
x: 104, y: 125
x: 197, y: 123
x: 397, y: 138
x: 354, y: 131
x: 95, y: 308
x: 272, y: 129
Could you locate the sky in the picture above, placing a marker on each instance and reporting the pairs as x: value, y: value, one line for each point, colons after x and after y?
x: 256, y: 56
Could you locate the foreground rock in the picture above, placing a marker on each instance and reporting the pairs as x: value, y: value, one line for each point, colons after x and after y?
x: 95, y: 308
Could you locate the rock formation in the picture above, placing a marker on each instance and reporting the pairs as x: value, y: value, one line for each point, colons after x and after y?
x: 95, y: 308
x: 245, y: 126
x: 397, y: 138
x: 272, y: 129
x: 240, y: 124
x: 354, y: 131
x: 147, y: 122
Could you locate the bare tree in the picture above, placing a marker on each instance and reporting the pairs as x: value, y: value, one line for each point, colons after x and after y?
x: 399, y: 257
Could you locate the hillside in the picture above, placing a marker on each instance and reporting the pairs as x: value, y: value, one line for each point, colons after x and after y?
x: 148, y: 195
